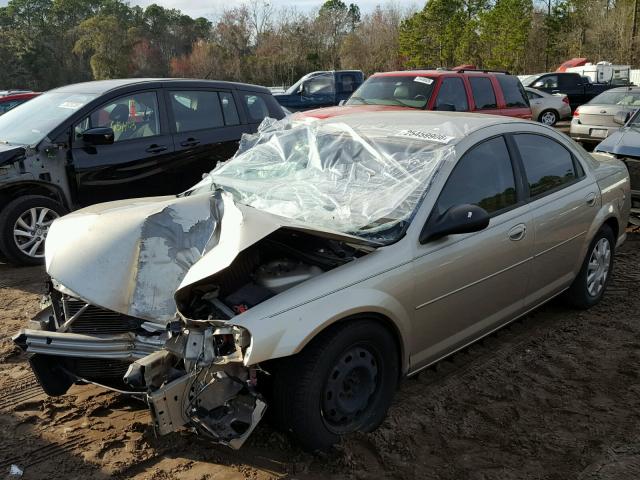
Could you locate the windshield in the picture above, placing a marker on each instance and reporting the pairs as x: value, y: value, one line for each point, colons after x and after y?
x: 364, y: 181
x: 30, y: 122
x: 528, y: 80
x: 625, y: 98
x: 314, y: 82
x: 407, y: 91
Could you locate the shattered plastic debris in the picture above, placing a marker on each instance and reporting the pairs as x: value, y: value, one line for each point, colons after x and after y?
x: 362, y: 180
x: 15, y: 471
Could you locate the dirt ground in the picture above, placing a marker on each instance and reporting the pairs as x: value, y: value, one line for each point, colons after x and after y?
x: 554, y: 396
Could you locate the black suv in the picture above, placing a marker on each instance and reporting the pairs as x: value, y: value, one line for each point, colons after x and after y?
x: 114, y: 139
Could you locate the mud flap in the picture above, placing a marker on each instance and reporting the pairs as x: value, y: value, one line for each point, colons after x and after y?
x: 51, y: 374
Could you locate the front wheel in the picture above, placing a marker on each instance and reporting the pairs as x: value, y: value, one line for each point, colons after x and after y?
x: 590, y: 284
x: 342, y: 382
x: 24, y: 224
x: 548, y: 117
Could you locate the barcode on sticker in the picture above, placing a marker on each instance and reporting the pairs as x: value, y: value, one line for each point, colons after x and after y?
x: 431, y: 136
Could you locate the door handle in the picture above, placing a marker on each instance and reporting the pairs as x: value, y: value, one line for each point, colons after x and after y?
x: 590, y: 199
x: 156, y: 148
x: 190, y: 142
x: 518, y: 232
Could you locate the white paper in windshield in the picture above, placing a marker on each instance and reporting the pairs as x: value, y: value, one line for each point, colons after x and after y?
x: 426, y: 80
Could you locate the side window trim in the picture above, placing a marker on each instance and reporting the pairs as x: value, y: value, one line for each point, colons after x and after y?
x: 515, y: 152
x: 163, y: 127
x: 520, y: 198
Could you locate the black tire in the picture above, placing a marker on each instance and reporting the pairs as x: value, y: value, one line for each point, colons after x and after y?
x: 579, y: 294
x: 10, y: 215
x: 304, y: 384
x: 552, y: 115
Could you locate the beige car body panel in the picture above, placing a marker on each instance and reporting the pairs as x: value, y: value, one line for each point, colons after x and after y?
x: 548, y: 101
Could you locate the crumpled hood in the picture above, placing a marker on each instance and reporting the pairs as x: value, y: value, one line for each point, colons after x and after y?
x: 11, y: 153
x: 131, y: 256
x: 625, y: 141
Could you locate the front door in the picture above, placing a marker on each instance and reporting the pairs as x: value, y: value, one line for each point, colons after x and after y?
x: 136, y: 164
x: 468, y: 284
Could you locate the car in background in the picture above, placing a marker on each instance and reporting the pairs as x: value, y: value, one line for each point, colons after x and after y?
x: 463, y: 90
x: 114, y: 139
x: 547, y: 108
x: 624, y: 144
x: 322, y: 264
x: 8, y: 102
x: 320, y: 89
x: 596, y: 120
x: 579, y: 89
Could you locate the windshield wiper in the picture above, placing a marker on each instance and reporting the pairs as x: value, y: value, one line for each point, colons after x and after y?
x: 363, y: 100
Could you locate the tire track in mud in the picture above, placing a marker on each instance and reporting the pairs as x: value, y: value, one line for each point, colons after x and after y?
x: 46, y: 452
x: 20, y: 391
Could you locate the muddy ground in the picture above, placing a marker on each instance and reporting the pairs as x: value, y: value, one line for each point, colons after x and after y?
x: 554, y: 396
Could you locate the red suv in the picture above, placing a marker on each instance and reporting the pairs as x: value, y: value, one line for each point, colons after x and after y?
x: 12, y: 100
x: 481, y: 91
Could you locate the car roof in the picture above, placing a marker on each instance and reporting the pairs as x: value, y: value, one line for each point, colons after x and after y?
x: 103, y: 86
x: 453, y: 124
x: 434, y: 73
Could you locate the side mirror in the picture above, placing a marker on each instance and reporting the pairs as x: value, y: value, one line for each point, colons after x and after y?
x: 301, y: 89
x: 341, y: 103
x: 446, y: 107
x: 458, y: 219
x: 621, y: 117
x: 98, y: 136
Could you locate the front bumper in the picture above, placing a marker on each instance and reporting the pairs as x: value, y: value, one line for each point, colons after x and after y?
x: 190, y: 375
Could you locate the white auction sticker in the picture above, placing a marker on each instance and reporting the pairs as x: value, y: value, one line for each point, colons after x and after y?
x: 426, y: 80
x: 431, y: 136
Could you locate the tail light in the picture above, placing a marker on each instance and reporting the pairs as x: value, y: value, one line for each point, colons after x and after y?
x: 565, y: 99
x: 576, y: 112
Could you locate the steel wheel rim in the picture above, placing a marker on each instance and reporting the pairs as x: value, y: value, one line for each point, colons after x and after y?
x: 351, y: 386
x: 598, y: 267
x: 548, y: 118
x: 31, y: 229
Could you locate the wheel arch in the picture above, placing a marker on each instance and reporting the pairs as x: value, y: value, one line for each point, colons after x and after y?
x: 11, y: 191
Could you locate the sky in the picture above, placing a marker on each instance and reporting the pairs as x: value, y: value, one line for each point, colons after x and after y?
x: 212, y: 8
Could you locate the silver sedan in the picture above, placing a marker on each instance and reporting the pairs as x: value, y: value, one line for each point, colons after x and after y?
x: 596, y: 120
x: 324, y: 262
x: 547, y: 108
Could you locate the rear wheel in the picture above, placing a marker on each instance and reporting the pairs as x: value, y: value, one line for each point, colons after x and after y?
x: 548, y: 117
x: 24, y: 224
x: 342, y: 382
x: 590, y: 284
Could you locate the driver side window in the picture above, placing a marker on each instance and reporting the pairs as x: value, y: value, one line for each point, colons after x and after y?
x: 484, y: 177
x: 130, y: 117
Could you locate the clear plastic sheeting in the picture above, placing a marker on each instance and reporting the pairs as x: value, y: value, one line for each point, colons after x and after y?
x: 365, y: 180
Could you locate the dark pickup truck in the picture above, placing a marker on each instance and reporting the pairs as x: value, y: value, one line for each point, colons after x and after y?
x: 321, y: 89
x: 114, y: 139
x: 577, y: 88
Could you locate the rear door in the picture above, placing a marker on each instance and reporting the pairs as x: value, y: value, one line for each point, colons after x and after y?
x: 563, y: 202
x: 139, y: 163
x: 571, y: 84
x: 206, y: 129
x: 516, y: 102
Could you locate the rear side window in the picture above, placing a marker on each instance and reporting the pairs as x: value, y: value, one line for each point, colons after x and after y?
x: 513, y: 91
x: 483, y: 95
x: 547, y: 164
x: 532, y: 96
x: 229, y: 109
x: 483, y: 177
x: 256, y: 107
x: 452, y: 95
x: 196, y: 110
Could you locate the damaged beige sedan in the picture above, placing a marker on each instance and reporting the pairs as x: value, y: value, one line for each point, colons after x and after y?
x: 324, y: 262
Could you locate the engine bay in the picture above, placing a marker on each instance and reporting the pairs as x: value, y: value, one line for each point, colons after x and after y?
x: 280, y: 261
